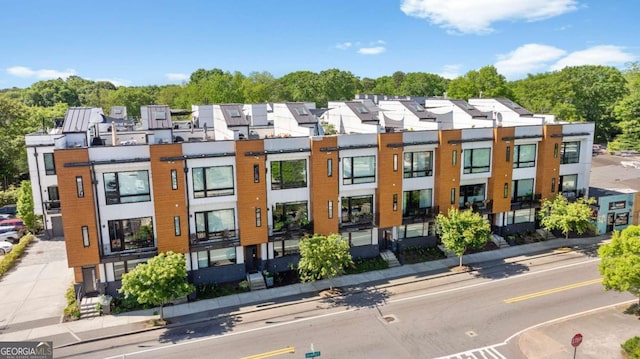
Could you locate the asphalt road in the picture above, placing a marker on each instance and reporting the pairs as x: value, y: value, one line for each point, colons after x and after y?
x: 422, y: 319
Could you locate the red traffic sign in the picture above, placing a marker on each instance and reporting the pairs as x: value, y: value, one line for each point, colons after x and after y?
x: 576, y: 340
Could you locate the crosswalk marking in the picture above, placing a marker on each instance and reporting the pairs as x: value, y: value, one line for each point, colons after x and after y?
x: 489, y: 352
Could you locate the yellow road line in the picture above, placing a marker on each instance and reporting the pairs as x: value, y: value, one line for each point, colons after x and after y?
x: 272, y: 353
x: 553, y: 290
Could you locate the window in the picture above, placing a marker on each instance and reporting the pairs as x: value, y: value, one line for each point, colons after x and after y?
x: 290, y: 215
x: 454, y: 158
x: 453, y: 196
x: 524, y: 156
x: 395, y: 202
x: 79, y: 187
x: 413, y: 230
x: 622, y: 219
x: 522, y: 190
x: 330, y: 167
x: 508, y: 154
x: 120, y: 268
x: 130, y: 234
x: 553, y: 184
x: 216, y: 225
x: 234, y: 112
x: 126, y: 187
x: 54, y: 197
x: 216, y: 257
x: 617, y: 205
x: 85, y: 236
x: 286, y: 247
x: 258, y: 217
x: 505, y: 193
x: 520, y: 216
x: 49, y: 164
x: 568, y: 184
x: 176, y: 226
x: 256, y: 173
x: 471, y: 194
x: 359, y: 170
x: 213, y: 181
x: 288, y: 174
x: 358, y: 238
x: 395, y: 162
x: 174, y: 179
x: 418, y: 164
x: 570, y: 152
x: 301, y: 111
x: 416, y: 202
x: 330, y: 209
x: 357, y: 209
x: 477, y: 160
x: 555, y: 150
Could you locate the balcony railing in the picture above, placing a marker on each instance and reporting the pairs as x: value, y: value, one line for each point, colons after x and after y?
x: 290, y: 231
x: 420, y: 215
x: 52, y: 206
x: 482, y: 207
x: 527, y: 201
x: 362, y: 220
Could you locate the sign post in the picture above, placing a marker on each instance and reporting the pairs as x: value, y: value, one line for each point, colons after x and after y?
x: 312, y: 353
x: 575, y: 341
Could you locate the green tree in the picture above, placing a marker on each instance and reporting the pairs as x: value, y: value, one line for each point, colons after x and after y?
x: 562, y: 215
x: 423, y: 84
x: 25, y: 206
x: 334, y: 84
x: 323, y: 257
x: 627, y: 112
x: 546, y: 93
x: 620, y: 261
x: 462, y: 230
x: 48, y: 93
x: 159, y: 281
x: 131, y: 97
x: 386, y: 85
x: 486, y: 82
x: 300, y: 86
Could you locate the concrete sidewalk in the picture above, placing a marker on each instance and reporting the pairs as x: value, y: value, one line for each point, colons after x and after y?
x: 83, y: 330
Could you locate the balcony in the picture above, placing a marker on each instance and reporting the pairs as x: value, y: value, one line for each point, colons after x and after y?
x: 421, y: 215
x: 220, y: 239
x: 290, y: 230
x: 52, y: 207
x: 482, y: 207
x: 573, y: 195
x: 363, y: 220
x: 527, y: 201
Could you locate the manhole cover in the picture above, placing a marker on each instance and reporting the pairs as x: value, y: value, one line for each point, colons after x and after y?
x: 471, y: 333
x: 389, y: 318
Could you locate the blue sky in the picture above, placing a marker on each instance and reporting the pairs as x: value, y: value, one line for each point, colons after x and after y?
x: 159, y: 42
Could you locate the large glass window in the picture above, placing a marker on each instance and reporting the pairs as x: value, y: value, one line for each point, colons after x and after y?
x: 289, y: 215
x: 415, y: 203
x: 520, y: 216
x: 127, y: 187
x: 358, y: 238
x: 213, y: 181
x: 288, y: 174
x: 286, y: 247
x: 120, y: 268
x: 522, y: 190
x: 568, y: 184
x: 54, y: 197
x: 132, y: 233
x: 471, y: 194
x: 477, y: 160
x: 49, y: 164
x: 570, y: 152
x: 357, y: 209
x: 216, y: 257
x: 524, y: 156
x: 359, y: 170
x: 418, y: 164
x: 216, y: 225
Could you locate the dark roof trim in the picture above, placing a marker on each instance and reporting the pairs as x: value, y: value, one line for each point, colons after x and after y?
x: 509, y: 138
x: 481, y: 139
x: 576, y: 134
x: 188, y: 157
x: 266, y: 152
x: 352, y: 147
x: 86, y: 164
x: 415, y: 143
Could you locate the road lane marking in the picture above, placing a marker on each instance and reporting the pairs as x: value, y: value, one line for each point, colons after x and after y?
x: 551, y: 291
x: 287, y: 350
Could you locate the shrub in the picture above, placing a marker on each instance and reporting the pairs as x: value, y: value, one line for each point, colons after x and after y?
x: 10, y: 258
x: 361, y: 265
x: 72, y: 310
x: 632, y: 348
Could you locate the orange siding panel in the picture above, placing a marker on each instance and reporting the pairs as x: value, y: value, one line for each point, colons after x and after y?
x: 502, y: 170
x: 548, y: 165
x: 389, y: 181
x: 324, y: 188
x: 447, y: 173
x: 251, y: 195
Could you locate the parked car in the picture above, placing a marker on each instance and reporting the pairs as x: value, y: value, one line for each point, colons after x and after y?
x: 9, y: 234
x: 9, y: 209
x: 4, y: 216
x: 17, y: 223
x: 5, y: 247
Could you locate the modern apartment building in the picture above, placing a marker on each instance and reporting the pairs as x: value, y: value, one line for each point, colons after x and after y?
x: 235, y: 200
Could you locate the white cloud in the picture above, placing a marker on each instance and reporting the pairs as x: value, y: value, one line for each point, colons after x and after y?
x: 177, y: 76
x: 371, y: 50
x: 607, y: 55
x: 477, y: 16
x: 527, y: 58
x: 451, y: 71
x: 343, y: 45
x: 381, y: 42
x: 43, y: 74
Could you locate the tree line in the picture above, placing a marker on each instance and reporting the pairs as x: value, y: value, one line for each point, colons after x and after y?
x: 601, y: 94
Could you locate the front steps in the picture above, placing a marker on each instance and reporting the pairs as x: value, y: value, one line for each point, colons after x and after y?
x: 256, y: 281
x: 499, y: 241
x: 88, y: 307
x: 390, y: 258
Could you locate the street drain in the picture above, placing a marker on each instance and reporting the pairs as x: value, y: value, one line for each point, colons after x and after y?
x: 471, y: 333
x: 389, y: 318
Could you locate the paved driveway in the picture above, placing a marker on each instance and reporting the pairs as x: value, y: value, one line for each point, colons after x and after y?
x: 32, y: 293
